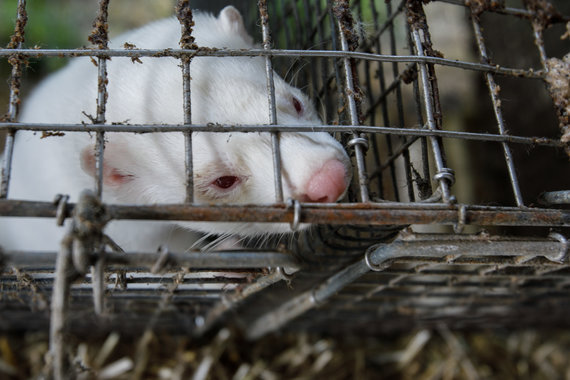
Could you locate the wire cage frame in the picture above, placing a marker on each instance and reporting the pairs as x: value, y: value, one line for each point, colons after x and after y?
x: 374, y: 69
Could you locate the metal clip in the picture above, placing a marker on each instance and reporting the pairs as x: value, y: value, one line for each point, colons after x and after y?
x: 561, y: 257
x: 446, y: 174
x: 296, y: 213
x: 461, y: 217
x: 373, y: 267
x: 283, y: 273
x: 61, y: 202
x: 358, y: 141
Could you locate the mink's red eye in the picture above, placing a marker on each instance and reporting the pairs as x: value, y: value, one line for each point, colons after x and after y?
x: 226, y: 181
x: 298, y: 106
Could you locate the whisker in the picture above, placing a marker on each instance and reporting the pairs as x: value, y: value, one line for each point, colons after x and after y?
x: 199, y: 242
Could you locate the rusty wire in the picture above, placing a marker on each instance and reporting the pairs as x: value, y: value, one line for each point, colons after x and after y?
x: 494, y: 91
x: 17, y: 61
x: 184, y: 15
x: 275, y: 147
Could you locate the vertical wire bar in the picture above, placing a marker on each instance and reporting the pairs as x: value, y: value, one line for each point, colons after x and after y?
x: 539, y: 42
x: 59, y: 306
x: 353, y: 112
x: 278, y: 183
x: 385, y: 114
x: 324, y: 66
x: 341, y: 109
x: 98, y: 283
x: 287, y: 32
x: 16, y: 42
x: 372, y: 137
x: 99, y: 37
x: 426, y: 90
x: 184, y: 14
x: 494, y: 93
x: 400, y: 106
x: 188, y: 168
x: 7, y: 163
x: 299, y: 25
x: 420, y: 118
x: 308, y: 44
x: 100, y: 119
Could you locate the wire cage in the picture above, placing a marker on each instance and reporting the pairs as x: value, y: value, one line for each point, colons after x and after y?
x: 457, y: 212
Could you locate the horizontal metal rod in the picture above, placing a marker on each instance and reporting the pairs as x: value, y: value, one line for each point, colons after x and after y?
x: 389, y: 213
x: 555, y: 197
x: 446, y: 247
x: 525, y: 13
x: 224, y: 128
x: 208, y: 52
x: 452, y: 248
x: 230, y: 301
x: 174, y: 261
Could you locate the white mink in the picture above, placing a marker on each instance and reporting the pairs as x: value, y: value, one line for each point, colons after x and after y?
x: 229, y: 168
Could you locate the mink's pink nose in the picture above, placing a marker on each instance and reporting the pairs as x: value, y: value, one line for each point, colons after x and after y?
x: 328, y: 183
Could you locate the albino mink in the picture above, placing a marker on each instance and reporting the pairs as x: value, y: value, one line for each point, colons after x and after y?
x: 233, y: 168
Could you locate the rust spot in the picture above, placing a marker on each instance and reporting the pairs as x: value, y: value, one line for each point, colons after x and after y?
x: 17, y: 62
x: 544, y: 13
x: 480, y: 6
x: 415, y: 14
x: 51, y: 133
x: 341, y: 10
x: 18, y: 37
x: 100, y: 34
x: 184, y: 15
x: 417, y: 20
x: 347, y: 24
x: 410, y: 74
x: 558, y: 83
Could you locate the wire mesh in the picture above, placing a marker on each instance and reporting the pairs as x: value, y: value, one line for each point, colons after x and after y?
x: 383, y: 90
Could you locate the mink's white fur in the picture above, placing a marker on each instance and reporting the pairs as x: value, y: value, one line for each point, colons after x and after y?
x: 149, y: 168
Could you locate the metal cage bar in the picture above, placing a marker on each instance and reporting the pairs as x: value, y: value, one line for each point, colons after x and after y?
x: 278, y: 182
x: 99, y: 37
x: 443, y: 175
x: 400, y: 107
x: 358, y: 141
x: 184, y: 14
x: 411, y: 248
x: 348, y: 272
x: 168, y: 128
x: 14, y: 101
x: 335, y: 53
x: 494, y: 93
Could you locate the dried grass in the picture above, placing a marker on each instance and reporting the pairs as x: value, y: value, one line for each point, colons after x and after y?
x: 420, y: 355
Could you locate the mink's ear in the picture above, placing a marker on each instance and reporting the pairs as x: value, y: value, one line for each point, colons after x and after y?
x: 113, y: 174
x: 232, y: 22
